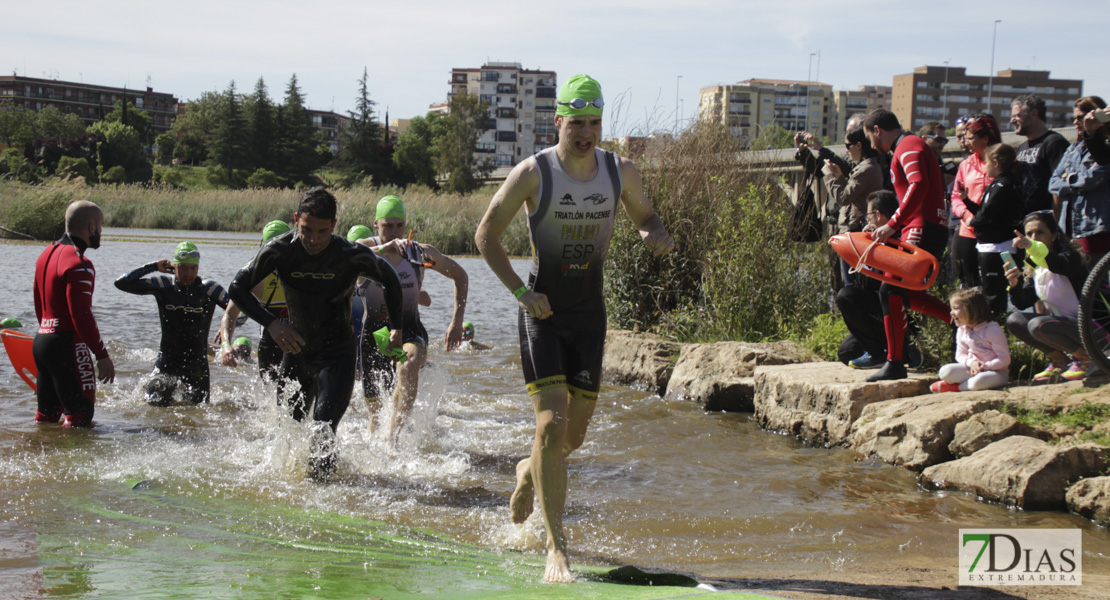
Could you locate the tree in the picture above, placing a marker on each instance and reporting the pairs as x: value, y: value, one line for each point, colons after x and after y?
x: 296, y: 142
x: 261, y: 128
x: 20, y: 126
x: 166, y: 143
x: 126, y: 113
x: 417, y: 150
x: 467, y: 118
x: 121, y: 147
x: 363, y: 151
x: 194, y: 128
x: 228, y: 146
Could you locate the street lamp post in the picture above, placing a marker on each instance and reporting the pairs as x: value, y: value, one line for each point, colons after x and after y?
x: 944, y: 101
x: 990, y: 82
x: 676, y: 81
x: 809, y: 78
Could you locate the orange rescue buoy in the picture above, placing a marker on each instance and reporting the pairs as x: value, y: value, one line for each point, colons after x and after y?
x: 18, y: 347
x: 894, y: 262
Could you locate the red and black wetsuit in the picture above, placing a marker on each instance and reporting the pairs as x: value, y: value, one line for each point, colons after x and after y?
x: 68, y: 342
x: 185, y: 312
x: 919, y: 185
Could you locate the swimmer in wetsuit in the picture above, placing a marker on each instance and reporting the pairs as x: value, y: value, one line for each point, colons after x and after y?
x: 68, y: 338
x: 571, y: 192
x: 318, y: 271
x: 186, y: 303
x: 271, y: 295
x: 409, y: 259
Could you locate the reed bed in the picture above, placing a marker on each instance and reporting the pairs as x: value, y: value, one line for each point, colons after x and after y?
x: 443, y: 220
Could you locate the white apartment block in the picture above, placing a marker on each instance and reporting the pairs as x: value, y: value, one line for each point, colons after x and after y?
x: 749, y: 106
x: 521, y: 109
x: 863, y: 99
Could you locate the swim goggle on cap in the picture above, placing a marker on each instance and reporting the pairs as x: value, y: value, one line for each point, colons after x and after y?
x: 274, y: 229
x: 186, y: 254
x: 358, y: 232
x: 580, y: 95
x: 390, y: 207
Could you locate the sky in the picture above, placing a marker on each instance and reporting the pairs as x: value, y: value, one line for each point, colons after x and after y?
x: 646, y: 53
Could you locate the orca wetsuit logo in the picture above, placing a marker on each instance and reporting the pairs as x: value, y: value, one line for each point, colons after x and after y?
x: 304, y: 275
x: 183, y: 308
x: 567, y: 200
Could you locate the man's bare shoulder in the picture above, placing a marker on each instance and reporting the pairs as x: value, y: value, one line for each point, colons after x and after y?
x: 524, y: 178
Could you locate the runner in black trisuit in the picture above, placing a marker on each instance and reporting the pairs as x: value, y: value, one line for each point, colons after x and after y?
x: 318, y: 271
x: 186, y: 303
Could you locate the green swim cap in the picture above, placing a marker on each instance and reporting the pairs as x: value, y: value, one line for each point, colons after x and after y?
x: 390, y: 207
x: 468, y: 327
x: 241, y: 341
x: 10, y: 323
x: 581, y: 90
x: 274, y: 229
x: 359, y: 232
x: 381, y: 337
x: 186, y: 254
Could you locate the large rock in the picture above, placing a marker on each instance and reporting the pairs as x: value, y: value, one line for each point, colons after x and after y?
x: 640, y: 360
x: 1019, y: 471
x: 1091, y: 498
x: 720, y: 375
x: 985, y: 428
x: 915, y: 432
x: 819, y: 402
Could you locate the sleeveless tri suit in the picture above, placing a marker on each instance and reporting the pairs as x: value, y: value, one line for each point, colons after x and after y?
x: 569, y: 230
x: 378, y: 370
x: 185, y: 313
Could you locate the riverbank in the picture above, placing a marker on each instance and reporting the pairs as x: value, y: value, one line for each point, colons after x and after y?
x: 981, y: 443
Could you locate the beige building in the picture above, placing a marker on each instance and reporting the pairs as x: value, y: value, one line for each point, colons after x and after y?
x: 944, y: 93
x: 749, y: 106
x: 863, y: 99
x: 521, y: 108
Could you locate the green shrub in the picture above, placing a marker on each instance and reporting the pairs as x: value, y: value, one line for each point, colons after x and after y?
x: 116, y: 174
x: 71, y: 168
x: 826, y: 333
x: 263, y: 178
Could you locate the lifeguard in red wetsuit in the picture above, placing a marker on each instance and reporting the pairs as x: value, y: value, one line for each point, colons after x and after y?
x: 921, y: 220
x: 68, y: 341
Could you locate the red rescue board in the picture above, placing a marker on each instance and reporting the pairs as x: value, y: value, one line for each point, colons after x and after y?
x: 894, y: 262
x: 18, y: 347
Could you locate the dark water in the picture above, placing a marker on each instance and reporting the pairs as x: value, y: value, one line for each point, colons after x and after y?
x: 212, y: 501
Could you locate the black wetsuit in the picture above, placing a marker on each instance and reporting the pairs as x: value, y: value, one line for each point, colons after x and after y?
x: 318, y: 292
x: 185, y: 312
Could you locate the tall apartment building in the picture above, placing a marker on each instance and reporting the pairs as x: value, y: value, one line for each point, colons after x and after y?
x: 863, y: 99
x: 330, y: 126
x: 86, y: 100
x: 521, y: 109
x: 944, y: 93
x: 748, y: 106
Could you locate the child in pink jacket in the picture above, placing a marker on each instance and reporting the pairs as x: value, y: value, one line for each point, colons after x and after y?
x: 982, y: 352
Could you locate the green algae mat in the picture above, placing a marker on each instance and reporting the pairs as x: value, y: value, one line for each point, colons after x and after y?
x: 148, y: 542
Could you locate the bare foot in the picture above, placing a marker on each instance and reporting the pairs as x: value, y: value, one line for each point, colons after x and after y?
x: 558, y: 568
x: 521, y: 502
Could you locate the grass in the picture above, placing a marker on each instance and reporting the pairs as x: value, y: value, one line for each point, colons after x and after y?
x: 1083, y: 418
x: 443, y: 220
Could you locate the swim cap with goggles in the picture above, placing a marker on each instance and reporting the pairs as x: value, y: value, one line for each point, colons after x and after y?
x: 580, y: 95
x: 241, y: 341
x: 274, y: 229
x: 390, y: 207
x: 359, y: 232
x: 468, y: 328
x: 186, y: 254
